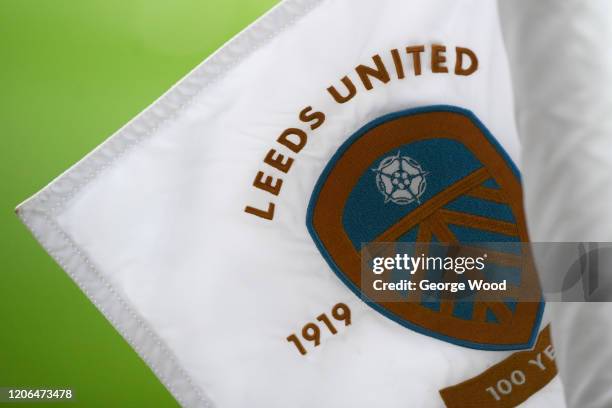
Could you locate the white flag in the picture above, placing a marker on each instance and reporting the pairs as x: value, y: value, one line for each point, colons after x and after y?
x: 564, y: 104
x: 220, y: 230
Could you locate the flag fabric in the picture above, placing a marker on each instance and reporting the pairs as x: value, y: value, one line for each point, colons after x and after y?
x: 565, y: 128
x: 218, y: 230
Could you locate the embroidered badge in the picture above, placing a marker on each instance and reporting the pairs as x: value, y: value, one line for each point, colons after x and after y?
x: 431, y: 174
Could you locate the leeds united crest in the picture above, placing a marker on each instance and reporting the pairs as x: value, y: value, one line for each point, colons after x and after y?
x: 431, y: 174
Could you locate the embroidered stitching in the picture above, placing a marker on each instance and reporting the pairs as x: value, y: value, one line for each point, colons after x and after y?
x: 145, y: 125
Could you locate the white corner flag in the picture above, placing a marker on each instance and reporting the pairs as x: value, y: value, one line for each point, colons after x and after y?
x: 220, y: 231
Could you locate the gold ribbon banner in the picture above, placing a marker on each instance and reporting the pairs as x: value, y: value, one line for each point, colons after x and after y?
x: 509, y: 382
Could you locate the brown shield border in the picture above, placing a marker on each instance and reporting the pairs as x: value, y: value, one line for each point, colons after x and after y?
x: 356, y: 155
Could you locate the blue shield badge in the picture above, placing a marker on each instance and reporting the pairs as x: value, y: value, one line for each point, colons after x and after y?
x: 431, y: 174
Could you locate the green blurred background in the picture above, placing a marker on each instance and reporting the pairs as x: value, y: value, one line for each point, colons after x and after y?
x: 72, y: 73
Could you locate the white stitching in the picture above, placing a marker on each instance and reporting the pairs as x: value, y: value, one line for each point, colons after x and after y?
x: 25, y: 216
x: 216, y: 63
x: 130, y: 136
